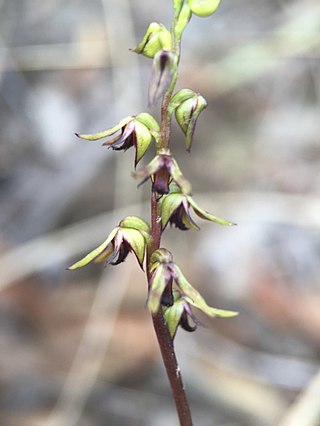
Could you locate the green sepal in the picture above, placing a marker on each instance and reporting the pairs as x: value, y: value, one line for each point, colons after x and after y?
x: 149, y: 121
x: 144, y: 139
x: 148, y: 170
x: 136, y: 241
x: 156, y: 38
x: 107, y: 252
x: 94, y: 253
x: 135, y: 222
x: 203, y: 8
x: 201, y: 105
x: 108, y: 132
x: 173, y: 314
x: 178, y: 177
x: 169, y: 205
x: 205, y: 215
x: 189, y: 223
x: 180, y: 97
x: 194, y: 298
x: 158, y: 284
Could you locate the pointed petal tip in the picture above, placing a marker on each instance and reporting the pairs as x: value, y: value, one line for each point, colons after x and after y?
x: 72, y: 267
x: 225, y: 314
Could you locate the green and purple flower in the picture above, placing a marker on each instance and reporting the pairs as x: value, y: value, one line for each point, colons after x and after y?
x: 135, y: 131
x: 164, y: 275
x: 175, y: 209
x: 132, y: 235
x: 162, y: 170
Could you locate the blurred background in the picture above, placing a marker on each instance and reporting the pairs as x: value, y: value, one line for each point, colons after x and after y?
x: 78, y: 348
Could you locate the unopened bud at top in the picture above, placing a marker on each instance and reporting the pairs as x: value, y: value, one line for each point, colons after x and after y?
x: 156, y: 38
x: 203, y: 8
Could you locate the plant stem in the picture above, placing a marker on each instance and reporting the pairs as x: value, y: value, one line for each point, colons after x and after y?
x: 162, y: 332
x: 163, y: 336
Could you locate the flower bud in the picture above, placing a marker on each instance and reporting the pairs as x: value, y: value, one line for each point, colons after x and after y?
x: 156, y: 38
x: 161, y: 255
x: 177, y: 6
x: 203, y: 8
x: 181, y: 96
x: 187, y: 114
x: 183, y: 19
x: 164, y: 65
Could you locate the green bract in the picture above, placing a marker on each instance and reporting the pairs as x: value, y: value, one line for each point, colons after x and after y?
x: 132, y: 234
x: 156, y: 38
x: 203, y: 8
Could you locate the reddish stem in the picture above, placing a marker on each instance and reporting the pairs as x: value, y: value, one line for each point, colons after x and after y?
x: 164, y: 338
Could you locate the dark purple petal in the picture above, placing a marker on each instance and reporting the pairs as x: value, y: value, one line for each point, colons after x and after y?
x: 167, y: 296
x: 122, y: 253
x: 161, y: 181
x: 184, y: 323
x: 125, y: 140
x: 176, y: 218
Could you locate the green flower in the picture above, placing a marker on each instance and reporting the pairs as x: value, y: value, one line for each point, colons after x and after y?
x: 156, y: 38
x: 175, y: 209
x: 164, y: 274
x: 135, y: 131
x: 132, y: 235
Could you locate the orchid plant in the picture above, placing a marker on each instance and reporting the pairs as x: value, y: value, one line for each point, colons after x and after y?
x: 171, y: 298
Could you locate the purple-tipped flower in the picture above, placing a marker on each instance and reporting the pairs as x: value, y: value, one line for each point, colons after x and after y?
x: 175, y: 209
x: 162, y: 170
x: 132, y: 235
x: 135, y: 131
x: 164, y: 274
